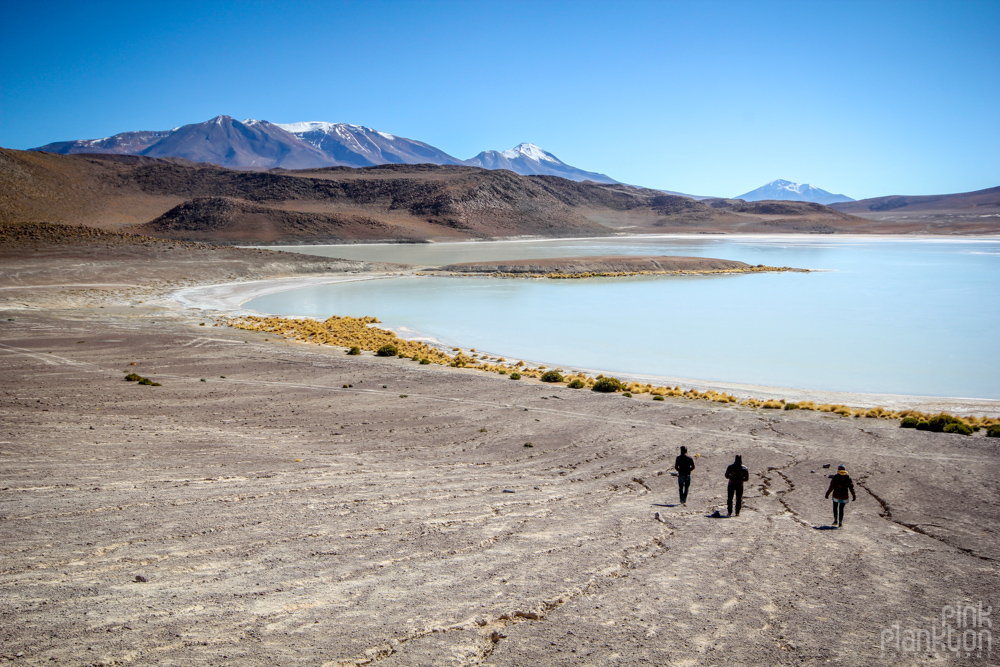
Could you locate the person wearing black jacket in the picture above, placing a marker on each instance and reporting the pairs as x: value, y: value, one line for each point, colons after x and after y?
x: 736, y: 473
x: 684, y: 464
x: 840, y: 485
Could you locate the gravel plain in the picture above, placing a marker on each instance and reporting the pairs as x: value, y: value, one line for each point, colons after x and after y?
x: 277, y: 503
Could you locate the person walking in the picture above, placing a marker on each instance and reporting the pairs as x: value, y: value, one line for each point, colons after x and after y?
x: 840, y: 485
x: 684, y: 464
x: 736, y: 473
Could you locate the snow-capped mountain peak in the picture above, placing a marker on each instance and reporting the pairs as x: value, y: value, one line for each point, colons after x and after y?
x: 530, y: 160
x: 782, y: 190
x: 530, y: 151
x: 260, y: 144
x: 799, y: 188
x: 340, y: 129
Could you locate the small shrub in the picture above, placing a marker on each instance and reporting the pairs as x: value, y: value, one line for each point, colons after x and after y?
x: 908, y: 422
x: 627, y: 394
x: 387, y: 350
x: 923, y: 425
x: 204, y: 380
x: 773, y: 405
x: 958, y: 427
x: 515, y: 376
x: 658, y: 398
x: 404, y: 395
x: 133, y: 377
x: 551, y: 376
x: 607, y: 385
x: 425, y: 361
x: 576, y: 384
x: 355, y: 350
x: 938, y: 422
x: 791, y: 406
x: 993, y: 431
x: 528, y: 444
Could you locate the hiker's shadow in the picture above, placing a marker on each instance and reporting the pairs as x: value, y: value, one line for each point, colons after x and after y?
x: 824, y: 528
x: 663, y: 505
x: 717, y: 515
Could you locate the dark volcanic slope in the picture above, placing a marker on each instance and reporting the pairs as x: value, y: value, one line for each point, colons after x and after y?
x: 980, y: 199
x: 223, y: 219
x: 966, y: 212
x: 182, y: 200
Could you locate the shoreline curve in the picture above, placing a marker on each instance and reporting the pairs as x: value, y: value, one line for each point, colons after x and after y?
x: 228, y: 299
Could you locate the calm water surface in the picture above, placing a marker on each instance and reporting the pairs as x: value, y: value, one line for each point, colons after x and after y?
x: 913, y: 316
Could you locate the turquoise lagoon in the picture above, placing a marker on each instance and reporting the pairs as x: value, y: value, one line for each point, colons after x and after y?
x: 882, y: 315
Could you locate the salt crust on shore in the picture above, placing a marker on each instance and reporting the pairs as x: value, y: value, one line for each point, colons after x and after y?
x: 229, y: 298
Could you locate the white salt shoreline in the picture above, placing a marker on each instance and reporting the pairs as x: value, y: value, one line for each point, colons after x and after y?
x: 228, y: 299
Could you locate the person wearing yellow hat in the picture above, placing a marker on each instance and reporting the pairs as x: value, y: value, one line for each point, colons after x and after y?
x: 840, y: 485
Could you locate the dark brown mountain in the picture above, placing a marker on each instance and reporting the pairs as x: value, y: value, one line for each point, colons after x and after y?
x: 182, y: 200
x: 979, y: 199
x: 227, y: 220
x: 975, y: 212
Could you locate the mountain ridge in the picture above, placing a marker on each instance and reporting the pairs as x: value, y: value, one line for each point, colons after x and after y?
x: 982, y: 199
x: 528, y: 159
x: 179, y: 199
x: 262, y: 145
x: 782, y: 190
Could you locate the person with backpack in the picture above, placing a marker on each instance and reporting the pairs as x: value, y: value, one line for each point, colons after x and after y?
x: 840, y: 485
x: 684, y: 465
x: 736, y: 473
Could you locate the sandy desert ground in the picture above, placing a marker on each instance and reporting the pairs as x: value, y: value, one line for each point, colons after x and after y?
x: 275, y: 503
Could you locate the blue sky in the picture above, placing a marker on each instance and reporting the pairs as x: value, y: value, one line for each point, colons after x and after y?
x: 712, y: 98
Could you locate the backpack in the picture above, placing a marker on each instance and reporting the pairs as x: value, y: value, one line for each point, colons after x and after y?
x: 737, y: 475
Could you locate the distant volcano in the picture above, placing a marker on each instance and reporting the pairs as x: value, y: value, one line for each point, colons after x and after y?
x: 782, y: 190
x: 529, y: 160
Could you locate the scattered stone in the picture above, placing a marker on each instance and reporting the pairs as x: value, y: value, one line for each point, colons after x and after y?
x: 141, y: 579
x: 530, y: 615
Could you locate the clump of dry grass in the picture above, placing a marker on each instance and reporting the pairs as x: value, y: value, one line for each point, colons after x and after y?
x: 138, y: 379
x: 360, y: 333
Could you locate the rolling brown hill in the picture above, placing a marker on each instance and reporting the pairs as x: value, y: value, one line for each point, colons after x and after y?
x: 178, y: 199
x: 975, y: 212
